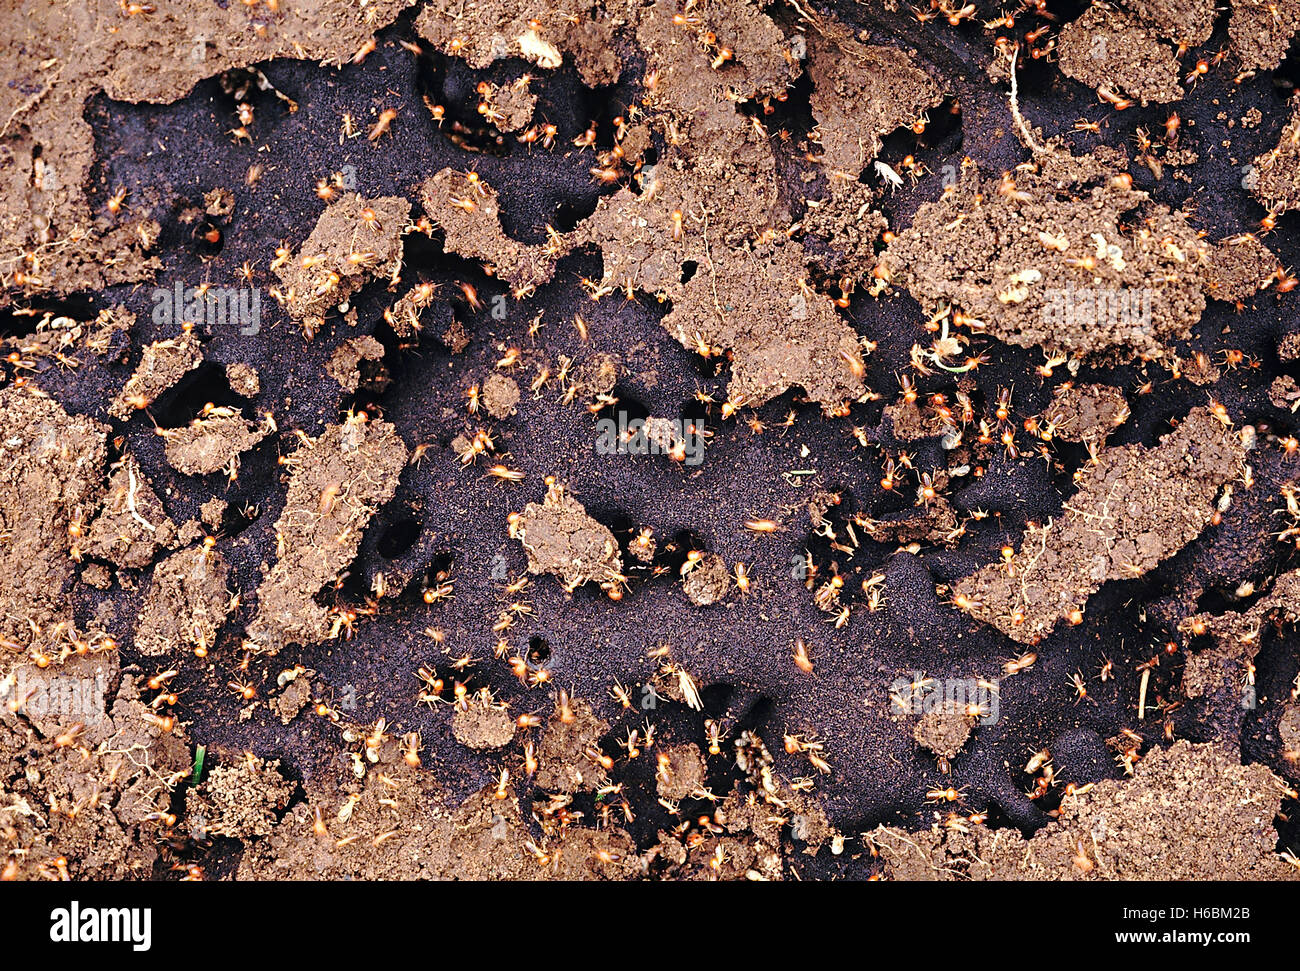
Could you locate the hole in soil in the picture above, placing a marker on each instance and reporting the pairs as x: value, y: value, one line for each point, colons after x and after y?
x: 694, y: 412
x: 539, y: 650
x: 689, y: 269
x: 618, y: 522
x: 451, y: 84
x: 716, y: 698
x: 206, y: 384
x: 15, y: 324
x: 238, y: 517
x: 567, y: 216
x: 628, y: 404
x: 208, y: 238
x: 399, y: 537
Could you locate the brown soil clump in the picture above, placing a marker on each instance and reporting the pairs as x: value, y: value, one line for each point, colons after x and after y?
x: 296, y: 696
x: 708, y: 580
x: 239, y: 800
x: 394, y: 823
x: 509, y: 107
x: 1191, y: 812
x: 163, y: 364
x: 133, y: 55
x: 1275, y: 177
x: 120, y: 785
x: 1260, y: 31
x: 943, y: 732
x: 212, y: 512
x: 1288, y: 730
x: 562, y: 756
x: 187, y: 603
x: 243, y: 379
x: 50, y: 488
x: 500, y: 395
x: 355, y: 241
x: 484, y: 31
x: 132, y: 525
x: 338, y: 480
x: 1086, y: 412
x: 344, y: 365
x: 860, y: 94
x: 596, y: 376
x: 1284, y: 392
x: 1047, y: 258
x: 681, y: 772
x: 212, y: 443
x: 1135, y: 507
x: 561, y: 539
x: 466, y: 209
x: 935, y: 522
x: 1108, y: 49
x: 483, y: 726
x: 1236, y: 636
x: 1238, y: 268
x: 1185, y: 22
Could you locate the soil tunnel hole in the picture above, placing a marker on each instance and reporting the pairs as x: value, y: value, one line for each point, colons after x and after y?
x: 399, y: 537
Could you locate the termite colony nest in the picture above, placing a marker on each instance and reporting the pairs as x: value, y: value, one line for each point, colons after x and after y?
x: 653, y: 439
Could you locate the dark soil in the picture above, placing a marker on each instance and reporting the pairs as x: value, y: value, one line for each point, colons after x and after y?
x: 368, y: 554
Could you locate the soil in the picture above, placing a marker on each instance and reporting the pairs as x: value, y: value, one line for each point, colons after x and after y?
x: 943, y: 732
x: 1108, y: 48
x: 1118, y: 831
x: 966, y: 354
x: 1133, y: 508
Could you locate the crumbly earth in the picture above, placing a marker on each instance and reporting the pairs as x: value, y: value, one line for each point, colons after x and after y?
x: 1275, y: 176
x: 561, y: 539
x: 1050, y: 256
x: 956, y: 341
x: 338, y: 481
x: 161, y: 366
x: 1086, y: 412
x: 1238, y: 268
x: 211, y: 444
x: 480, y: 726
x: 500, y: 395
x: 1260, y: 32
x: 50, y: 488
x: 708, y: 580
x: 355, y: 240
x: 186, y: 603
x: 942, y: 731
x: 1106, y: 48
x: 131, y: 526
x: 860, y: 94
x: 1184, y: 22
x: 1113, y: 527
x: 1190, y: 813
x: 63, y: 54
x: 239, y: 800
x: 345, y: 365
